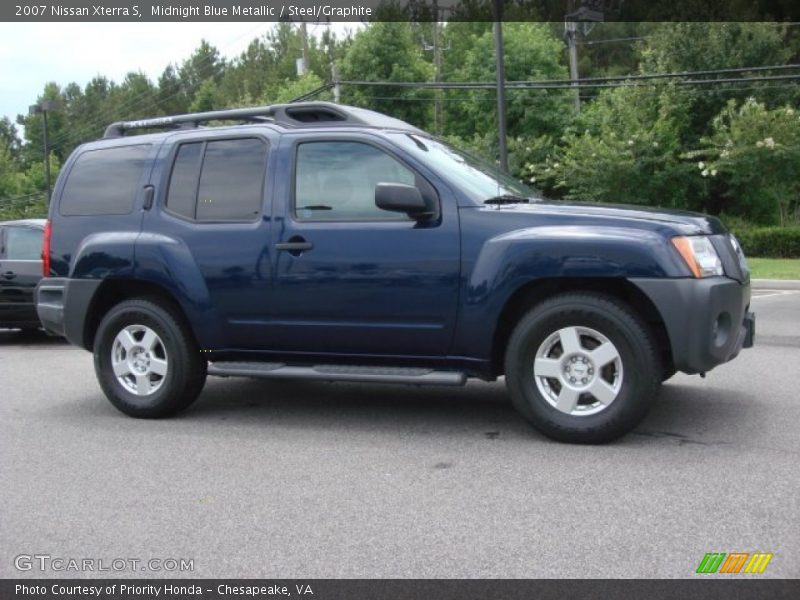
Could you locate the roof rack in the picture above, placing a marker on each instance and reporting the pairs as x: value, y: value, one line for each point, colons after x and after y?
x: 295, y: 114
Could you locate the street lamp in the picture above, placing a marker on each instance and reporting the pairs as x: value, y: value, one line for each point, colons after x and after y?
x: 43, y: 108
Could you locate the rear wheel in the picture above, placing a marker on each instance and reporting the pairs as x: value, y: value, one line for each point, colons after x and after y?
x: 582, y: 368
x: 146, y: 360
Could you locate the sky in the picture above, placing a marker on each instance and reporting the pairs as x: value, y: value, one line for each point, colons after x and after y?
x: 31, y: 54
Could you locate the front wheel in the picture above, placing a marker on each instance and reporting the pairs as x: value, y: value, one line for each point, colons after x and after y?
x: 582, y: 368
x: 147, y: 361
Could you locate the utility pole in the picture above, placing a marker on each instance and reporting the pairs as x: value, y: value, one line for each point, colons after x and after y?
x: 437, y: 72
x: 572, y: 41
x: 304, y: 41
x: 337, y: 88
x: 436, y: 48
x: 500, y: 69
x: 330, y: 46
x: 587, y: 14
x: 43, y: 108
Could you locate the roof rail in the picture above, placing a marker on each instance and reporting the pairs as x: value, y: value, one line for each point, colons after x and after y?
x: 298, y: 113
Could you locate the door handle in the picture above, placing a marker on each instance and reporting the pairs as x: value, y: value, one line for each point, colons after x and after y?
x: 147, y: 203
x: 295, y: 246
x: 9, y: 275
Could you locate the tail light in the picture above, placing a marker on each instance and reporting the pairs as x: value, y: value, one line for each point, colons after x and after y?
x: 46, y: 250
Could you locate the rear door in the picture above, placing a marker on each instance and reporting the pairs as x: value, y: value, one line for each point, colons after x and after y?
x: 20, y: 271
x: 213, y: 187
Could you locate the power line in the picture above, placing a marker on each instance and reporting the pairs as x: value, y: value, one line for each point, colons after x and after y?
x: 313, y: 93
x: 613, y: 40
x: 555, y: 83
x: 674, y: 74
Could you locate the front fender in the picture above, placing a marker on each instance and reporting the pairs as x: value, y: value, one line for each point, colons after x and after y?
x: 506, y: 262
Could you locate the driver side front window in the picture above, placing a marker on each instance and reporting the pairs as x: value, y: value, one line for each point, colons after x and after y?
x: 335, y: 181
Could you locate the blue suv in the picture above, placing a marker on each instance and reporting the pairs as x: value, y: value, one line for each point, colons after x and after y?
x: 316, y: 240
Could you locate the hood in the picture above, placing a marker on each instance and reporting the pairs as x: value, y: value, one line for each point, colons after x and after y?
x: 681, y: 221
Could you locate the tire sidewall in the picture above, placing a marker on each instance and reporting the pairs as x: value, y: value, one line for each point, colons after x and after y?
x: 120, y: 317
x: 635, y: 395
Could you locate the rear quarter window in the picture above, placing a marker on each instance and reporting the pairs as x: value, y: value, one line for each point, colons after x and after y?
x: 104, y: 181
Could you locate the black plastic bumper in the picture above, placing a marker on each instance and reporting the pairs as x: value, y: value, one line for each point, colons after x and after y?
x: 707, y: 320
x: 63, y: 306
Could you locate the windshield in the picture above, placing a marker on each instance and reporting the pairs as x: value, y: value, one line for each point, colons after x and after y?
x: 479, y: 179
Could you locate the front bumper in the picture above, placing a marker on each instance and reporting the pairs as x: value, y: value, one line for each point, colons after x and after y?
x: 708, y: 321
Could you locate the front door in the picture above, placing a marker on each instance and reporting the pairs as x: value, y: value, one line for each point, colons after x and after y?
x: 351, y: 278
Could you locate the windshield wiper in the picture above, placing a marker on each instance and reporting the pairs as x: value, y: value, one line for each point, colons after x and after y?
x: 507, y: 199
x: 315, y: 207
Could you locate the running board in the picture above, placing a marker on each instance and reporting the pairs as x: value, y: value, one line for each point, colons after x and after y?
x: 337, y: 373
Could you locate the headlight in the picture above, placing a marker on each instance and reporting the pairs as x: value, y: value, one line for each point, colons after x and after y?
x: 699, y: 254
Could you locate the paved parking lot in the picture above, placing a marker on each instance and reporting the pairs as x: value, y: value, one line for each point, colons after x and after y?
x: 308, y: 479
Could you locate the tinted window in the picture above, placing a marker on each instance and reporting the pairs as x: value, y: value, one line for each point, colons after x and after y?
x: 231, y: 182
x: 336, y: 181
x: 23, y: 243
x: 104, y: 182
x: 182, y: 195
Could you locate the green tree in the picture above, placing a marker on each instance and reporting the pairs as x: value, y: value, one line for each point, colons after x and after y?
x: 294, y: 88
x: 9, y: 138
x: 204, y: 63
x: 205, y: 98
x: 678, y: 47
x: 171, y: 97
x: 625, y: 148
x: 385, y: 51
x: 531, y: 52
x: 61, y: 138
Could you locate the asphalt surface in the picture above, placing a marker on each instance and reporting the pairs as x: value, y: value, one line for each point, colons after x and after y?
x: 315, y: 480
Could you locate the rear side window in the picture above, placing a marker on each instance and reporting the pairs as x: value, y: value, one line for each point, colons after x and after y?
x: 23, y: 243
x: 104, y: 182
x: 220, y: 180
x: 182, y: 194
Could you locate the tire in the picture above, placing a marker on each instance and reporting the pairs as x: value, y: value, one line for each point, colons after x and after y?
x: 555, y: 389
x: 159, y: 368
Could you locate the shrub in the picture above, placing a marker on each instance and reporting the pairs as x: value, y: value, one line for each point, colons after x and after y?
x: 770, y: 242
x: 756, y: 152
x: 624, y: 148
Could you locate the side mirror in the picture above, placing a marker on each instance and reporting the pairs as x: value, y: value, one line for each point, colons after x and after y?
x: 399, y: 197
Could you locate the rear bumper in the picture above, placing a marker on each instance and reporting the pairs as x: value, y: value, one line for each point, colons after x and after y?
x: 708, y: 320
x: 19, y: 315
x: 63, y: 306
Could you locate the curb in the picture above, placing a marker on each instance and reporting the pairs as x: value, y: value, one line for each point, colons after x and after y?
x: 775, y: 284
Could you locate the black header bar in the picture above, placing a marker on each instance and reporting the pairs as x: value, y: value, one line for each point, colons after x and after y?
x: 397, y: 10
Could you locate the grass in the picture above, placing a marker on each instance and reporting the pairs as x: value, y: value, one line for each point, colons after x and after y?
x: 774, y: 268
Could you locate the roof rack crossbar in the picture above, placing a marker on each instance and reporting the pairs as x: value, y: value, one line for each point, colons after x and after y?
x: 284, y: 113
